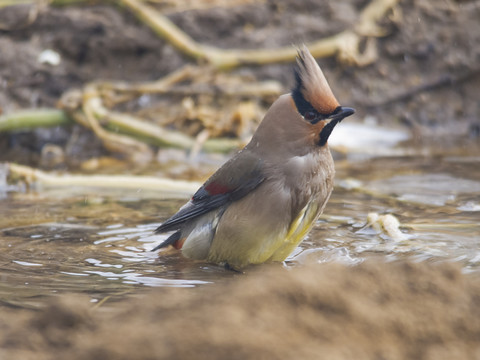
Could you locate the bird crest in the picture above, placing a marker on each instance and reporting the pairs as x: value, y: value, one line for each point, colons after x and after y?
x: 312, y: 91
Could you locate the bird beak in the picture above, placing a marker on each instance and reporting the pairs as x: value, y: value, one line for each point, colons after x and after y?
x: 338, y: 115
x: 341, y: 113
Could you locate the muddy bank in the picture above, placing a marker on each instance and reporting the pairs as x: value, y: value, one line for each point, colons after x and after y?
x: 372, y: 311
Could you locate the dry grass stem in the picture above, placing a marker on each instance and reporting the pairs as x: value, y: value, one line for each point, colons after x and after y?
x: 346, y: 45
x: 48, y: 179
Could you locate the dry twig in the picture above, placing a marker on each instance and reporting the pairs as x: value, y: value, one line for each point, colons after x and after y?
x: 346, y: 45
x: 47, y: 179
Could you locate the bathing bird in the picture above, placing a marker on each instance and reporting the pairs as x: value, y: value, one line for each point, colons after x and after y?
x: 261, y: 203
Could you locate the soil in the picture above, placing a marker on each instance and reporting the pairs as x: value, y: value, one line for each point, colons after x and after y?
x: 426, y: 77
x: 372, y: 311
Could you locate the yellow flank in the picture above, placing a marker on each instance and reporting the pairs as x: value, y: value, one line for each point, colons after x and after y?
x: 297, y: 231
x: 240, y: 252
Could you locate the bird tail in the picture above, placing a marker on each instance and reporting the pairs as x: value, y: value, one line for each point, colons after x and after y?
x: 172, y: 240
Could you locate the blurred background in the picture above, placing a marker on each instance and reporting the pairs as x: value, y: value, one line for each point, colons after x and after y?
x: 408, y: 65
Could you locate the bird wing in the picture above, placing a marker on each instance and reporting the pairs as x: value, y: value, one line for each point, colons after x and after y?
x: 235, y: 179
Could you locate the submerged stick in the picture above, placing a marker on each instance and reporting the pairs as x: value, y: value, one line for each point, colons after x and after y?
x: 48, y: 179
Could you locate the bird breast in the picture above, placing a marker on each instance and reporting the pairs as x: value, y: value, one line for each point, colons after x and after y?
x: 311, y: 171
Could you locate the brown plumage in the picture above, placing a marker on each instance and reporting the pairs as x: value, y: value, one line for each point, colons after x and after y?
x: 261, y: 203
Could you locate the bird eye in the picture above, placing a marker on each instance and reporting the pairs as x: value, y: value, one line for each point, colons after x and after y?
x: 310, y: 115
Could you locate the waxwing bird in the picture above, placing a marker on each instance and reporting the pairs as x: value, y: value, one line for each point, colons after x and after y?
x: 262, y: 202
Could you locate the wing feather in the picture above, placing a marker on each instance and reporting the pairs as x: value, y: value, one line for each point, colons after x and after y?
x: 235, y: 179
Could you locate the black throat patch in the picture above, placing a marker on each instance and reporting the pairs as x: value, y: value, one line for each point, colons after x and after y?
x: 327, y: 129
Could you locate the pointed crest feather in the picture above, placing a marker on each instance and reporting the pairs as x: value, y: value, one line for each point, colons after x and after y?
x: 312, y: 83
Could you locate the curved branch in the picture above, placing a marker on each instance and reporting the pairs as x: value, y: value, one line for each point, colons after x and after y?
x: 345, y: 44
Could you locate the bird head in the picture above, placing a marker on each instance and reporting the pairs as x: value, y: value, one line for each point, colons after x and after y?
x: 314, y: 99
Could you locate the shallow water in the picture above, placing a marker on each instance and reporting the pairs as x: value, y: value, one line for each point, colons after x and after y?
x: 64, y: 241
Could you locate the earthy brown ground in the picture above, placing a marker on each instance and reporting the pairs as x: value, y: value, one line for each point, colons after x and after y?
x: 372, y: 311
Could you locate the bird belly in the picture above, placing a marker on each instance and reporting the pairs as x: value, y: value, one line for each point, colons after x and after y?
x: 251, y: 229
x: 267, y: 224
x: 199, y: 237
x: 262, y: 243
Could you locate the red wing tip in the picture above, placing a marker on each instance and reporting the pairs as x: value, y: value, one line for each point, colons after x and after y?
x: 216, y: 188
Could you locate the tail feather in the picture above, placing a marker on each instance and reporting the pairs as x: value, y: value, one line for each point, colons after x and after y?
x: 172, y: 240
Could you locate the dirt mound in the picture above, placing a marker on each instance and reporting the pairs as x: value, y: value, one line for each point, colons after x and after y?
x: 373, y: 311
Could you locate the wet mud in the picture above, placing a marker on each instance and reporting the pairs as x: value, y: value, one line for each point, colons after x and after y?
x: 371, y: 311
